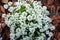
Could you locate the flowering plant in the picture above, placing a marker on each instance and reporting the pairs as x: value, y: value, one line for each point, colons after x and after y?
x: 28, y: 21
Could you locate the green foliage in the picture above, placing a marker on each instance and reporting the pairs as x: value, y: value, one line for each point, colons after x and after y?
x: 22, y: 9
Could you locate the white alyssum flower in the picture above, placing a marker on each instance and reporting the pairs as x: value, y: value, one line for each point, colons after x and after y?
x: 44, y: 7
x: 47, y: 32
x: 33, y: 16
x: 16, y: 3
x: 24, y: 14
x: 11, y: 9
x: 3, y: 15
x: 6, y: 6
x: 46, y: 27
x: 29, y: 17
x: 18, y: 34
x: 50, y: 34
x: 9, y: 3
x: 42, y: 30
x: 12, y: 29
x: 52, y: 27
x: 22, y: 18
x: 12, y: 36
x: 18, y: 30
x: 32, y: 30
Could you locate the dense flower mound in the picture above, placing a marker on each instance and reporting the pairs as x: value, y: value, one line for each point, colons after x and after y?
x: 28, y: 20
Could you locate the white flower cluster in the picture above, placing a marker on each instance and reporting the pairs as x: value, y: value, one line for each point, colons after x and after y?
x: 28, y: 21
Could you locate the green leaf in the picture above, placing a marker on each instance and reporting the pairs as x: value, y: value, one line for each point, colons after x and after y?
x: 22, y: 9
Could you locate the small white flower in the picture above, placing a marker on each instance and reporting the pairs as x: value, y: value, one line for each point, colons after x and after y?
x: 39, y: 26
x: 17, y: 8
x: 16, y: 15
x: 32, y: 30
x: 33, y: 16
x: 24, y: 14
x: 43, y: 35
x: 12, y: 35
x: 16, y: 3
x: 9, y: 3
x: 8, y: 23
x: 3, y: 15
x: 27, y: 5
x: 47, y: 32
x: 47, y: 12
x: 46, y: 27
x: 18, y: 30
x: 44, y: 7
x: 42, y: 30
x: 22, y: 31
x: 50, y: 34
x: 52, y: 27
x: 5, y: 6
x: 11, y: 9
x: 12, y: 29
x: 22, y: 18
x: 18, y: 34
x: 29, y: 17
x: 28, y: 11
x: 22, y: 24
x: 26, y: 38
x: 39, y: 38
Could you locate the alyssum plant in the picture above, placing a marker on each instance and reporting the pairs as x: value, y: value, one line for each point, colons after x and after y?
x: 28, y: 20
